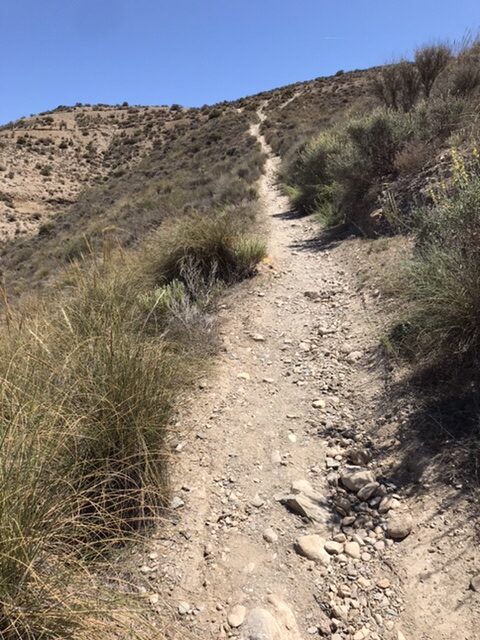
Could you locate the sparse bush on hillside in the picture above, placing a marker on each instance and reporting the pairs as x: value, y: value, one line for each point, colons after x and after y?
x: 409, y: 84
x: 430, y: 62
x: 397, y: 85
x: 436, y: 119
x: 464, y: 76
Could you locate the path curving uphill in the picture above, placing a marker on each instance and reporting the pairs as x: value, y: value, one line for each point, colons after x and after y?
x: 283, y: 526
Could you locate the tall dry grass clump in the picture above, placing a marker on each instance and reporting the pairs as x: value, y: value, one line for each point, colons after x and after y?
x: 87, y: 381
x: 220, y: 243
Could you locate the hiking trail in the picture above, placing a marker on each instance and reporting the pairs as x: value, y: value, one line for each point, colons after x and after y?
x: 265, y: 540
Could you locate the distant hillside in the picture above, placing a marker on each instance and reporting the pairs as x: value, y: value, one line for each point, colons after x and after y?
x: 72, y: 172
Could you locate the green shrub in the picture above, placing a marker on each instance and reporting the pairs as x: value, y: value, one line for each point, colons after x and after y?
x: 436, y: 119
x: 311, y: 170
x: 339, y: 174
x: 442, y: 287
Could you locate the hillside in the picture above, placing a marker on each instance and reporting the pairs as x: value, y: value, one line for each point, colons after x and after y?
x: 239, y: 358
x: 126, y: 167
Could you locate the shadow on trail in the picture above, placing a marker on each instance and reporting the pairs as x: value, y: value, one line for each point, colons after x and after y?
x: 326, y: 239
x: 436, y: 444
x: 289, y: 215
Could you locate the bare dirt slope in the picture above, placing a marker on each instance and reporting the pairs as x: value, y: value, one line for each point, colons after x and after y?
x: 48, y: 159
x: 264, y: 541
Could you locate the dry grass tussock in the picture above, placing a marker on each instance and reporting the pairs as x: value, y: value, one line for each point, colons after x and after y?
x: 88, y: 377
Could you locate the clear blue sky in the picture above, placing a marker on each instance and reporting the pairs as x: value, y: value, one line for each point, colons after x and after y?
x: 201, y: 51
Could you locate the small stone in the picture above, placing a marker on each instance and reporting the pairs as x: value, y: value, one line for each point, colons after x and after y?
x: 310, y: 506
x: 243, y: 376
x: 333, y: 548
x: 312, y: 546
x: 367, y: 491
x: 276, y: 458
x: 388, y: 503
x: 475, y: 583
x: 340, y: 537
x: 260, y: 625
x: 269, y: 535
x: 352, y: 549
x: 236, y: 615
x: 359, y: 457
x: 355, y: 480
x: 312, y: 630
x: 354, y: 356
x: 383, y: 583
x: 331, y: 463
x: 399, y: 525
x: 154, y: 599
x: 176, y: 502
x: 257, y: 337
x: 257, y: 501
x: 292, y: 437
x: 319, y: 404
x: 183, y: 608
x: 343, y: 505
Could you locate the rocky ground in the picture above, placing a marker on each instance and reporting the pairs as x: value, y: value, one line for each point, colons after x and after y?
x: 286, y: 522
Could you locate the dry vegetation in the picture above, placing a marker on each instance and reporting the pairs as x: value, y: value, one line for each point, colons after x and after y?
x: 91, y: 366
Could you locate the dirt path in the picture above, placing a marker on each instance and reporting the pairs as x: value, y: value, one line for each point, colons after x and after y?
x: 291, y: 407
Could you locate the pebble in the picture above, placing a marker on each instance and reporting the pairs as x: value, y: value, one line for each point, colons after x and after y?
x: 319, y: 404
x: 367, y: 491
x: 183, y: 608
x: 353, y: 356
x: 383, y: 583
x: 399, y: 525
x: 257, y: 501
x: 333, y: 548
x: 355, y: 480
x: 352, y: 549
x: 176, y: 502
x: 261, y: 625
x: 388, y: 503
x: 269, y: 535
x: 475, y: 583
x: 312, y: 546
x: 236, y: 615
